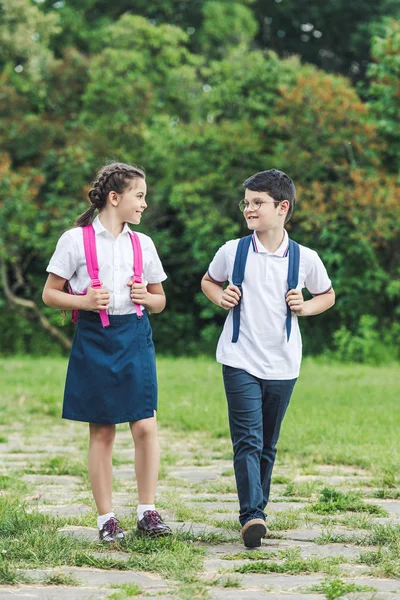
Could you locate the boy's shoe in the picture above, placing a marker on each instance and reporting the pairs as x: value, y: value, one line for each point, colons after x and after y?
x: 152, y: 524
x: 111, y: 531
x: 253, y: 531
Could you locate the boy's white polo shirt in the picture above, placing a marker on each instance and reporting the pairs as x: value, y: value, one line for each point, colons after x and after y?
x: 262, y: 348
x: 115, y: 258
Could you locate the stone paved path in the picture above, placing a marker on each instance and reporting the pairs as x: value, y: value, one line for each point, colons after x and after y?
x: 197, y: 495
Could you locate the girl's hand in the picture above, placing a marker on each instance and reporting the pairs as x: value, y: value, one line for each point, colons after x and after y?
x: 96, y: 299
x: 230, y: 297
x: 296, y: 302
x: 139, y: 293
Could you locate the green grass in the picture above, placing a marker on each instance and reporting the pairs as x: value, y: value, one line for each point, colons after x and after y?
x: 125, y: 590
x: 303, y: 489
x: 336, y: 588
x: 341, y: 415
x: 290, y: 562
x: 332, y: 501
x: 350, y: 407
x: 61, y: 578
x: 60, y: 465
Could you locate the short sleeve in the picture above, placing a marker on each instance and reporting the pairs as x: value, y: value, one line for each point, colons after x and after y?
x: 64, y: 261
x: 317, y: 280
x: 153, y: 269
x: 218, y: 271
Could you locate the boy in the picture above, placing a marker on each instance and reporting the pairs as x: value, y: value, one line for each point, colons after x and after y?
x: 260, y: 345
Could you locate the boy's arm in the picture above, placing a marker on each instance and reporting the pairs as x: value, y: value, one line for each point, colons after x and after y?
x: 307, y: 308
x: 226, y: 298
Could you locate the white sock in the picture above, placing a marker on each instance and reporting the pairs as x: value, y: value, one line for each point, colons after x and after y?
x: 102, y: 519
x: 141, y: 509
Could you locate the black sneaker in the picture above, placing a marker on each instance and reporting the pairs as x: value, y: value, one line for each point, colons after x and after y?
x: 111, y: 531
x: 152, y: 524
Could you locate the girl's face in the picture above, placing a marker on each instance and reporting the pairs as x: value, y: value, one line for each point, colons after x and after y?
x: 133, y: 202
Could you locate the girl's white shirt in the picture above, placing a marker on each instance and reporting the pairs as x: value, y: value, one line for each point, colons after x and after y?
x: 115, y: 258
x: 262, y: 348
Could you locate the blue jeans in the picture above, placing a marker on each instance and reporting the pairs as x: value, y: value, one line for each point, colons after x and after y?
x: 256, y: 410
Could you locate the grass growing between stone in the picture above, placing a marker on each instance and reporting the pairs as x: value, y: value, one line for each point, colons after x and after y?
x: 333, y: 501
x: 31, y: 540
x: 125, y: 590
x: 340, y: 419
x: 290, y: 562
x: 336, y: 588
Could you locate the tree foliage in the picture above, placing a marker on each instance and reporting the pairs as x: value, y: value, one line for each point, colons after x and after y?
x: 200, y: 115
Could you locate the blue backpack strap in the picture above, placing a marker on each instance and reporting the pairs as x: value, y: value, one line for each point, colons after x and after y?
x: 292, y: 279
x: 237, y: 279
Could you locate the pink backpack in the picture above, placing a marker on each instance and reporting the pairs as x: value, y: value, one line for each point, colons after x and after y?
x: 89, y: 243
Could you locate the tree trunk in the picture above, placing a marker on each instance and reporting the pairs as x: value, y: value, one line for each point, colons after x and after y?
x: 31, y: 306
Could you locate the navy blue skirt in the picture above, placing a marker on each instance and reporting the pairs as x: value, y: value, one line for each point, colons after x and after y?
x: 111, y: 374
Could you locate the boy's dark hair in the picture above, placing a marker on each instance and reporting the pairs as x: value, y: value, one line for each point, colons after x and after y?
x: 277, y: 184
x: 113, y: 177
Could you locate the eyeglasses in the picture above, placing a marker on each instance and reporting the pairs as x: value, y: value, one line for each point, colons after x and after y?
x: 253, y: 204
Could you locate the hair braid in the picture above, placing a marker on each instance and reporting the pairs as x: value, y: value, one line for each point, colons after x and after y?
x: 114, y: 177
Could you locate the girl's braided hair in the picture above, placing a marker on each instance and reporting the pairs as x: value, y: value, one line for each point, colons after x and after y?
x: 114, y: 177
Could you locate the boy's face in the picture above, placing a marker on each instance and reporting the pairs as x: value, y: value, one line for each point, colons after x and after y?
x: 261, y: 214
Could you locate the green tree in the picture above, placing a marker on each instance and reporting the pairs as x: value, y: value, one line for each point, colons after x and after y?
x: 384, y: 91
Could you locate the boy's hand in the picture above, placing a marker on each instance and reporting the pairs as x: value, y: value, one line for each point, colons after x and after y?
x: 230, y: 297
x: 296, y: 302
x: 96, y: 299
x: 139, y: 293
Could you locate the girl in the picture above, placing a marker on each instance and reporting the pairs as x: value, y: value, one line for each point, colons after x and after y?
x: 111, y: 374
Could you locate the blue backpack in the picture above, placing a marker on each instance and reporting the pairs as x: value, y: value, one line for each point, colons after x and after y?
x: 238, y: 276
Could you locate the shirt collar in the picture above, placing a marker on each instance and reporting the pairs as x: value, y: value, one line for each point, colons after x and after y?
x: 282, y: 251
x: 99, y: 228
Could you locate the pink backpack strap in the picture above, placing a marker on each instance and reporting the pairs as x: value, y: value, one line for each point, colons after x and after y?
x: 137, y: 265
x: 89, y: 243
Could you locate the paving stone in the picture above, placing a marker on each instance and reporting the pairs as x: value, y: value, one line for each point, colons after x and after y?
x: 64, y: 496
x: 196, y: 528
x: 54, y: 593
x: 67, y: 510
x: 240, y: 594
x: 216, y: 565
x: 98, y: 578
x: 332, y: 480
x: 279, y: 582
x: 90, y: 534
x: 371, y: 596
x: 274, y: 507
x: 300, y: 534
x: 392, y: 506
x: 393, y: 521
x: 120, y: 556
x: 187, y: 497
x: 214, y: 506
x: 232, y: 516
x: 307, y: 549
x: 126, y: 473
x: 195, y: 475
x: 58, y: 480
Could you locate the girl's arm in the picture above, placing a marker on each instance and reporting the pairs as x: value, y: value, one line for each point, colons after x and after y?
x: 152, y: 296
x: 55, y: 296
x: 226, y: 298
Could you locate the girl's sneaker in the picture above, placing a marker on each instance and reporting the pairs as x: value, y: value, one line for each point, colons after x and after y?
x: 111, y: 531
x: 152, y: 524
